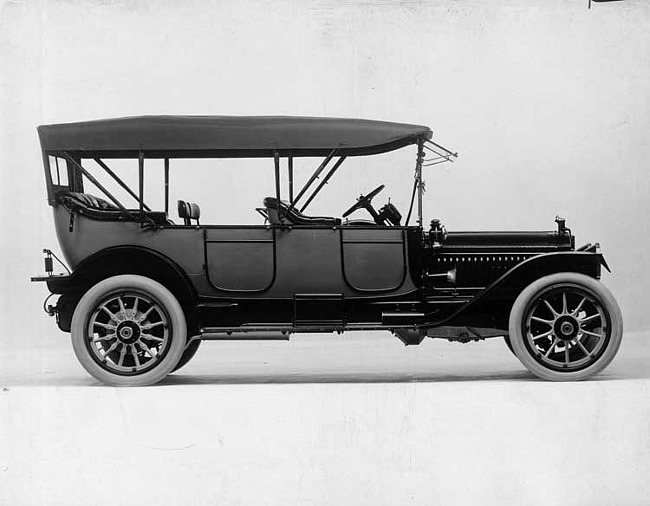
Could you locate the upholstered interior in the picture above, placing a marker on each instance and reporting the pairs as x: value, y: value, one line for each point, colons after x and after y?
x: 275, y: 207
x: 87, y: 200
x: 100, y: 209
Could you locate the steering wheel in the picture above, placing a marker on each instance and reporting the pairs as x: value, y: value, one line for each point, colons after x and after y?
x: 363, y: 201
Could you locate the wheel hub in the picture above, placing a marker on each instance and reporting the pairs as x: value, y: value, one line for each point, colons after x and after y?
x: 128, y: 332
x: 566, y: 328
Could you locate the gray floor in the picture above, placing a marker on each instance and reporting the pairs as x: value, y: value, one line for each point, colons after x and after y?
x: 324, y: 419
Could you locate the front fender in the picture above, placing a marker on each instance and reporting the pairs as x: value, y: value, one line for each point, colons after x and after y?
x: 520, y: 276
x: 496, y: 299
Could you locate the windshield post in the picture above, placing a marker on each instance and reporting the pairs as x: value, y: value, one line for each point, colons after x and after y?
x: 166, y: 185
x: 418, y: 179
x: 141, y: 178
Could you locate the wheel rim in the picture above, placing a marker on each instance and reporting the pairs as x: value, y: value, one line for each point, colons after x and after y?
x: 566, y: 328
x: 128, y: 333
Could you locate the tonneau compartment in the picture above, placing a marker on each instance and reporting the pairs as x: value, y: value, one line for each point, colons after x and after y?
x: 99, y: 209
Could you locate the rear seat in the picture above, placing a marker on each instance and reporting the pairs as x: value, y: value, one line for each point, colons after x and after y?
x: 86, y: 200
x: 100, y: 209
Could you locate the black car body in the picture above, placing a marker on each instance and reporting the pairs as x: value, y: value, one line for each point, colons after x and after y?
x: 294, y: 272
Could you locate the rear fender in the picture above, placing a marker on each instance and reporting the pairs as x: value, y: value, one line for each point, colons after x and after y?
x: 127, y: 260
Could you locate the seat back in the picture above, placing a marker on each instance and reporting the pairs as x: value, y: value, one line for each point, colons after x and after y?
x: 189, y: 211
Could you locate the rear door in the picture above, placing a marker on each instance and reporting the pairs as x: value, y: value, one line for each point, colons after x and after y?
x: 241, y: 260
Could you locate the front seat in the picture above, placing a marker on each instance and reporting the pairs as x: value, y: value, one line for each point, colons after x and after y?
x: 275, y: 207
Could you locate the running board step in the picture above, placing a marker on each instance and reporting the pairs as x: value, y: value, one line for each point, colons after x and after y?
x: 402, y: 318
x: 209, y: 334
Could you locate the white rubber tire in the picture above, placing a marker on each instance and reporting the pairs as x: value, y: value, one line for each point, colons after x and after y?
x: 177, y: 326
x: 595, y: 289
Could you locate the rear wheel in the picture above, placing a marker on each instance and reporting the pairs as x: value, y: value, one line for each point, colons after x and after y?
x: 128, y: 330
x: 565, y: 327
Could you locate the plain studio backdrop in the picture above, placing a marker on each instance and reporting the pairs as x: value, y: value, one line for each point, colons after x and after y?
x: 546, y: 102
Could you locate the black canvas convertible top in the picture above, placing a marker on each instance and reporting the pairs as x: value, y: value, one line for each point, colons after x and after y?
x: 228, y: 136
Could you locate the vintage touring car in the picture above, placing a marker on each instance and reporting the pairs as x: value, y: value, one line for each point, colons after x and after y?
x: 143, y: 291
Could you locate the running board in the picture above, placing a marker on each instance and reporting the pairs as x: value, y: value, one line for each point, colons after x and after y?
x: 268, y: 332
x: 215, y: 334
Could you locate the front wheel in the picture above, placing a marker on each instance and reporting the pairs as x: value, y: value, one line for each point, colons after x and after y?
x: 128, y: 330
x: 565, y: 327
